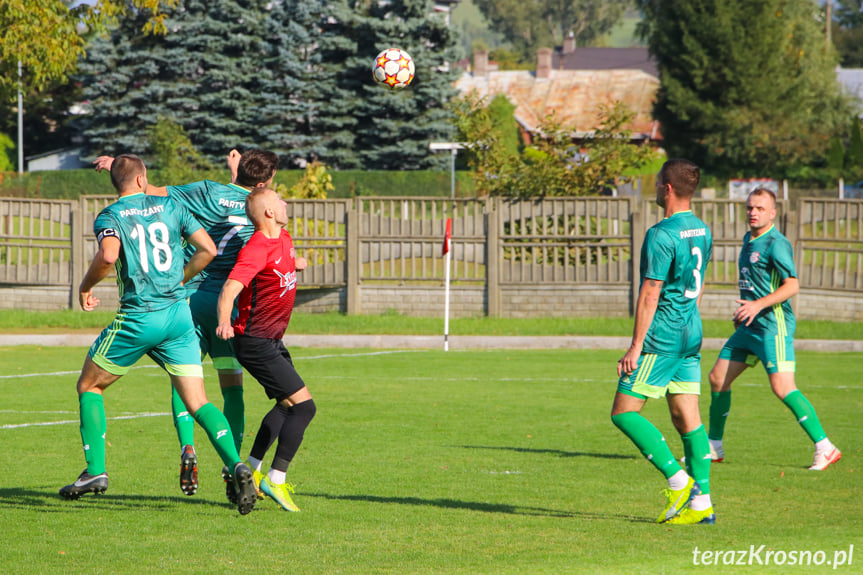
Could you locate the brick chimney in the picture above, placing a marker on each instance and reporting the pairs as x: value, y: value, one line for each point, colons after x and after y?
x: 569, y: 43
x: 543, y: 64
x: 480, y: 63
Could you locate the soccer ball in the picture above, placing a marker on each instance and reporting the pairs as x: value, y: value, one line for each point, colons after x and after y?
x: 393, y: 68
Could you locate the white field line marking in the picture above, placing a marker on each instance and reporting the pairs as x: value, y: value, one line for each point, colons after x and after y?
x: 77, y: 372
x: 42, y: 424
x: 145, y: 414
x: 28, y: 411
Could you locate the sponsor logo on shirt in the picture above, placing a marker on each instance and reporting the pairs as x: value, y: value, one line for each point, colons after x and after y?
x: 754, y: 257
x: 693, y: 233
x: 147, y: 212
x: 745, y: 281
x: 286, y: 280
x: 232, y: 204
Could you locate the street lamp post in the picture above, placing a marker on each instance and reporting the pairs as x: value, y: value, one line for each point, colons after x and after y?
x: 453, y: 147
x: 20, y: 124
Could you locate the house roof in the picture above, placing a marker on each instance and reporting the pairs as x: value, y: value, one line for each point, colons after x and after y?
x: 574, y: 96
x: 605, y: 59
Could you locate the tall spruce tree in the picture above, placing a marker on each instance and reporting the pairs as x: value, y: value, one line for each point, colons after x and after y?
x: 211, y: 73
x: 364, y: 125
x: 290, y: 94
x: 747, y: 86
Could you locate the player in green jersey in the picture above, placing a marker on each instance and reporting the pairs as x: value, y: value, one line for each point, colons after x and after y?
x: 664, y: 359
x: 221, y: 210
x: 141, y: 237
x: 765, y: 330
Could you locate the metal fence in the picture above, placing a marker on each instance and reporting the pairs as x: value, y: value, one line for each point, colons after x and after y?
x: 495, y: 241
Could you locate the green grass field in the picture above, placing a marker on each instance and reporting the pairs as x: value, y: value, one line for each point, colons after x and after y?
x: 425, y: 462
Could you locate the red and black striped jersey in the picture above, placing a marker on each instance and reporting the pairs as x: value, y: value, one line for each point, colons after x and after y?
x: 267, y: 270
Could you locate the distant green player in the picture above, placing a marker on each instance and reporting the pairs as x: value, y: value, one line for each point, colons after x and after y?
x: 765, y: 330
x: 141, y: 237
x: 221, y: 210
x: 664, y: 359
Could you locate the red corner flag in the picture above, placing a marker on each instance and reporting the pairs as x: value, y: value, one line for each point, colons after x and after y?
x: 447, y: 237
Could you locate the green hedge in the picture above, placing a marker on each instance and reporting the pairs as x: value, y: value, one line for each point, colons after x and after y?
x: 68, y: 184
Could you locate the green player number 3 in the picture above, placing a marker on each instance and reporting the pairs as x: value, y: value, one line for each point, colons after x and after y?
x: 693, y: 293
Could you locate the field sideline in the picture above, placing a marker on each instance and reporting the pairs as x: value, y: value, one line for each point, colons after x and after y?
x: 426, y: 462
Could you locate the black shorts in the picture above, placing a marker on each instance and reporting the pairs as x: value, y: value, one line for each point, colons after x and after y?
x: 270, y: 363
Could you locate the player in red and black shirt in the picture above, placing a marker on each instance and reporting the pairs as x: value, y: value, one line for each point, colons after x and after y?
x: 265, y: 278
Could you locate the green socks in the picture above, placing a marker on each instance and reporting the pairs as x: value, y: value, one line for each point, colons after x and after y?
x: 649, y: 441
x: 184, y: 422
x: 697, y: 451
x: 219, y: 432
x: 805, y: 414
x: 720, y: 405
x: 235, y: 412
x: 93, y: 429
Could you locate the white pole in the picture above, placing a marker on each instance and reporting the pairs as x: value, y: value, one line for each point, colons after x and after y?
x: 20, y: 124
x: 446, y: 301
x: 447, y: 244
x: 452, y: 173
x: 841, y: 189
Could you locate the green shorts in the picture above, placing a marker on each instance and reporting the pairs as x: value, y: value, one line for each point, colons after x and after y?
x: 204, y: 304
x: 166, y: 335
x: 775, y: 351
x: 657, y: 375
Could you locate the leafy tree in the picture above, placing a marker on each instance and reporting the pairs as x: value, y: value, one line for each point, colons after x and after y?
x: 847, y: 32
x: 6, y: 164
x: 173, y: 152
x: 739, y: 102
x: 316, y: 183
x: 836, y: 154
x: 509, y: 60
x: 854, y: 152
x: 555, y: 165
x: 503, y: 116
x: 531, y: 25
x: 47, y: 36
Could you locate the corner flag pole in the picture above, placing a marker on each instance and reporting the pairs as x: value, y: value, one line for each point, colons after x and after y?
x: 447, y: 256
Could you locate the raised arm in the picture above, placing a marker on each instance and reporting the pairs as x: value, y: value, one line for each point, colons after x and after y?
x: 233, y: 164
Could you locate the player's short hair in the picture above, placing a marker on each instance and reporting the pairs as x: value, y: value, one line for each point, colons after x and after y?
x: 764, y: 192
x: 683, y: 176
x: 124, y: 170
x: 256, y: 167
x: 254, y: 202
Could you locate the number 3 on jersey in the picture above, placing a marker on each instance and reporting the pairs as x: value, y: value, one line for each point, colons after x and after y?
x: 692, y: 294
x: 158, y: 235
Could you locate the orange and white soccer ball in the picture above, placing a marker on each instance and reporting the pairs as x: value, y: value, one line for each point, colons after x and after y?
x: 393, y: 68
